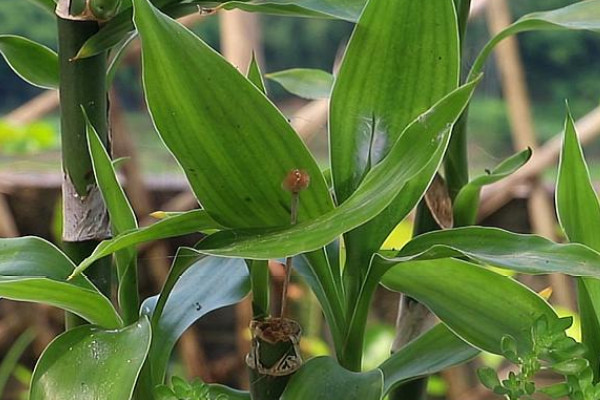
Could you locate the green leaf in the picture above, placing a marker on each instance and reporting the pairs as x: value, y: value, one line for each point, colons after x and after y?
x: 193, y: 291
x: 382, y: 69
x: 261, y: 288
x: 217, y: 124
x: 579, y: 216
x: 12, y: 356
x: 583, y: 15
x: 310, y: 84
x: 119, y: 27
x: 488, y: 377
x: 432, y: 352
x: 466, y: 202
x: 255, y: 75
x: 571, y: 367
x: 177, y: 225
x: 48, y: 5
x: 529, y: 254
x: 425, y: 139
x: 34, y: 270
x: 348, y: 10
x: 90, y: 363
x: 34, y: 63
x: 229, y: 393
x: 122, y: 219
x: 477, y: 304
x: 322, y: 377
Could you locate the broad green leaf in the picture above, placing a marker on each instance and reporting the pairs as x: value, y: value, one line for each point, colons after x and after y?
x: 176, y: 225
x: 348, y: 10
x: 432, y: 352
x: 48, y: 5
x: 477, y: 304
x: 34, y: 63
x: 34, y: 270
x: 579, y: 216
x: 425, y: 139
x: 529, y: 254
x: 88, y: 363
x: 322, y: 378
x: 310, y: 84
x: 466, y: 202
x: 122, y: 219
x: 119, y: 27
x: 193, y: 291
x: 582, y: 15
x: 217, y: 125
x: 401, y: 60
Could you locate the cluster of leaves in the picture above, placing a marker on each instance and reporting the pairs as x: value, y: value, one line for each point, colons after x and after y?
x: 181, y: 389
x: 27, y: 139
x: 550, y: 349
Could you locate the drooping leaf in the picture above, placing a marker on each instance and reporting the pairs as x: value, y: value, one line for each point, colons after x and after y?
x: 348, y: 10
x: 322, y: 378
x: 177, y: 225
x: 530, y: 254
x: 217, y: 124
x: 88, y: 363
x: 122, y: 219
x: 582, y: 15
x: 310, y: 84
x: 192, y: 292
x: 579, y: 216
x: 424, y: 140
x: 479, y: 305
x: 432, y: 352
x: 34, y: 270
x: 34, y: 63
x: 466, y: 202
x: 382, y: 69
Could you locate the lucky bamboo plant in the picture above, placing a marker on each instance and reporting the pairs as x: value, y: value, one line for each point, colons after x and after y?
x: 397, y: 113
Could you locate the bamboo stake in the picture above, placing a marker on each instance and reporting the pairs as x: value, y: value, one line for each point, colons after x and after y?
x: 514, y: 86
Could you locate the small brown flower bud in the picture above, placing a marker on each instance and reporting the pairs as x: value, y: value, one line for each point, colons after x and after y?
x: 296, y: 181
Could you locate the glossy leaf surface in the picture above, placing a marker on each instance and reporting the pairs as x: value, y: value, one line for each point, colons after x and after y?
x: 579, y: 216
x: 466, y: 202
x: 583, y: 15
x: 479, y: 305
x: 34, y: 63
x: 348, y: 10
x: 322, y: 377
x: 310, y: 84
x: 34, y: 270
x: 218, y: 144
x: 432, y: 352
x: 204, y: 286
x: 88, y: 363
x: 522, y: 253
x: 425, y: 139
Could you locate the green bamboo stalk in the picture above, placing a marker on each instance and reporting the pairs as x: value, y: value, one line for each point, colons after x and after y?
x: 82, y: 83
x: 456, y: 175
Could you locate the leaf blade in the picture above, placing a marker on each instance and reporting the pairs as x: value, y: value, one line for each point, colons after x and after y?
x: 34, y: 63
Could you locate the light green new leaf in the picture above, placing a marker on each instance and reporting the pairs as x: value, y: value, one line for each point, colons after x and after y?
x: 310, y: 84
x: 479, y: 305
x: 579, y: 215
x: 432, y: 352
x: 34, y: 270
x: 529, y: 254
x: 218, y: 124
x: 466, y: 202
x: 425, y: 139
x: 582, y: 15
x: 192, y: 291
x: 34, y: 63
x: 122, y: 219
x: 348, y: 10
x: 88, y: 363
x: 402, y: 58
x: 177, y: 225
x: 322, y: 378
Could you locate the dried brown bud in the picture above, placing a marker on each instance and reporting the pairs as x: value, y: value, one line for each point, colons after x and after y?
x: 296, y: 181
